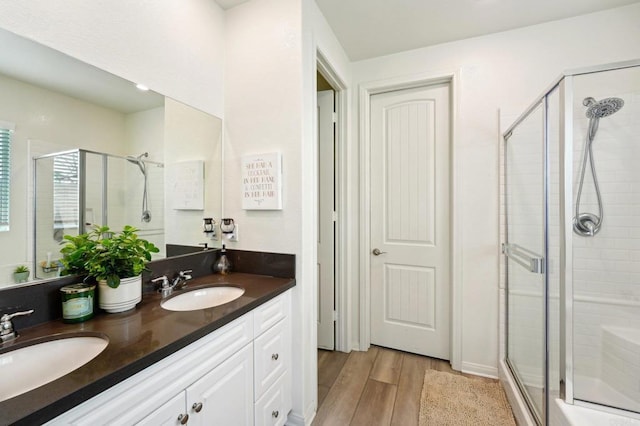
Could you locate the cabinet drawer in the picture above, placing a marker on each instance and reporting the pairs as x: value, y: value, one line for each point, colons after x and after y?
x: 167, y: 415
x: 275, y: 404
x: 271, y: 354
x: 270, y: 313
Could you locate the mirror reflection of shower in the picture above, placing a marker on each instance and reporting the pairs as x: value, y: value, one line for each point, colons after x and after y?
x: 76, y: 189
x: 146, y: 213
x: 584, y: 223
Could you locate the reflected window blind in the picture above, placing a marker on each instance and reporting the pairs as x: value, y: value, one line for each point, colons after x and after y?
x: 6, y: 130
x: 65, y: 191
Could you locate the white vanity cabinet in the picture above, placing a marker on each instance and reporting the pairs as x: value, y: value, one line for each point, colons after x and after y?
x: 272, y: 364
x: 239, y: 374
x: 225, y: 393
x: 222, y: 397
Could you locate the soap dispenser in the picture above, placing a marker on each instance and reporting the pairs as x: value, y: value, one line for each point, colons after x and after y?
x: 222, y: 264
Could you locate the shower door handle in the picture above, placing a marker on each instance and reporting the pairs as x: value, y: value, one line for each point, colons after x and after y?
x: 530, y: 260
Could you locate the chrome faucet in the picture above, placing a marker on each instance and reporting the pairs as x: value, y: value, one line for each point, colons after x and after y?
x: 181, y: 280
x: 7, y: 331
x: 166, y: 287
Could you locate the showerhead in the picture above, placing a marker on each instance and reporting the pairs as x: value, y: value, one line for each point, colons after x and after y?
x: 138, y: 160
x: 602, y: 108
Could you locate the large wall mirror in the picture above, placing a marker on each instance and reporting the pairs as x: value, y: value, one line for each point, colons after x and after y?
x: 82, y: 147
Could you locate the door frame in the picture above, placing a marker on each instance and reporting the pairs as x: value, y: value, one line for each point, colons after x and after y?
x: 342, y: 299
x: 367, y: 90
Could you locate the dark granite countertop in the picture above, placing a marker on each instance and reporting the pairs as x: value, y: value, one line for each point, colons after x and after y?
x: 137, y: 339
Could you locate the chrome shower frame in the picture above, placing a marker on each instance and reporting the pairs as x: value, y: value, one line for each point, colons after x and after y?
x: 564, y: 85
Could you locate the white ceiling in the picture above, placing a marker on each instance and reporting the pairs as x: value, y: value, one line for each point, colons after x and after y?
x: 370, y: 28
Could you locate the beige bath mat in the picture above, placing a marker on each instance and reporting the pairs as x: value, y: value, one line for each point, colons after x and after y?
x: 452, y: 400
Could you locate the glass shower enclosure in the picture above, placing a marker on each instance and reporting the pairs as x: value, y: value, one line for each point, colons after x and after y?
x: 571, y: 244
x: 77, y: 189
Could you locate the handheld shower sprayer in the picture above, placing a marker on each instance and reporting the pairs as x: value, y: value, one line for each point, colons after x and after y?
x: 588, y: 224
x: 146, y: 214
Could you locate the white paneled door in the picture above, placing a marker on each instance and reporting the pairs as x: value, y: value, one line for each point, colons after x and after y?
x: 410, y: 232
x: 326, y: 224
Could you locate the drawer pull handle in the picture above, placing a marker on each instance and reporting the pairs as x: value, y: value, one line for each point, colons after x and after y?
x: 197, y: 407
x: 275, y: 414
x: 183, y: 419
x: 275, y: 357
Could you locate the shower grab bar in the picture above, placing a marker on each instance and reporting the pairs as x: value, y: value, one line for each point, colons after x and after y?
x: 531, y: 261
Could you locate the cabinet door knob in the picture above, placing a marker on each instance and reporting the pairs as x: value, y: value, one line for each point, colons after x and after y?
x: 274, y: 357
x: 183, y: 419
x: 197, y: 407
x: 275, y: 414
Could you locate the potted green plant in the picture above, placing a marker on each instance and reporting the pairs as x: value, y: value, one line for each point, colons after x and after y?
x: 114, y: 259
x: 21, y: 274
x: 75, y: 253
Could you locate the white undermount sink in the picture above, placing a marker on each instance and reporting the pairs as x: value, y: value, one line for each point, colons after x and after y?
x: 28, y: 367
x: 202, y: 298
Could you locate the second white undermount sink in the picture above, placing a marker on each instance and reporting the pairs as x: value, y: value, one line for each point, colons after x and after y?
x: 202, y: 298
x: 31, y: 366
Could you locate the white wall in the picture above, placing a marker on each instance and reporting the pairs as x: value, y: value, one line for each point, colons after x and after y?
x: 175, y: 48
x: 263, y: 113
x: 270, y: 106
x: 506, y: 70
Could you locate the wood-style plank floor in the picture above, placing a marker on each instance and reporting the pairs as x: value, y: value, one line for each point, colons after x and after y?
x: 378, y: 387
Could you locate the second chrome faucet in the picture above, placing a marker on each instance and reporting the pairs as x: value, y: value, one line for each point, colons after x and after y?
x: 166, y: 287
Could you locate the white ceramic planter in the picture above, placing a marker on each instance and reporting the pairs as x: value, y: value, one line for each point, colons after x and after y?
x: 125, y: 297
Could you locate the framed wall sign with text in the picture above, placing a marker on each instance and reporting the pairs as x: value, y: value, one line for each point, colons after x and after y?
x: 262, y: 181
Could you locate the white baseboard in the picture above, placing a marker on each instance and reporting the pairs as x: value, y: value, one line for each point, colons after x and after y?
x: 355, y: 346
x: 295, y: 419
x: 479, y: 370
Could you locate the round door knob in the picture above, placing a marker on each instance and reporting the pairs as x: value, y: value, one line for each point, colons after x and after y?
x: 197, y: 407
x: 377, y: 252
x: 275, y: 414
x: 183, y: 419
x: 275, y: 357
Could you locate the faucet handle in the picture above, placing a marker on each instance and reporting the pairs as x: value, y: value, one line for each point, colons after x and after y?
x: 163, y: 280
x: 8, y: 317
x: 186, y: 274
x: 7, y: 332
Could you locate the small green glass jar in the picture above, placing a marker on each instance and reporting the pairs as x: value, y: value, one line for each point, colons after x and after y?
x: 77, y: 302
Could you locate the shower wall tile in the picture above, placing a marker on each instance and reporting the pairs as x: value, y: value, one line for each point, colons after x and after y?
x: 607, y: 267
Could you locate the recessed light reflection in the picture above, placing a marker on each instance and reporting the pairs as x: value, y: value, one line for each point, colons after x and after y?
x: 142, y: 87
